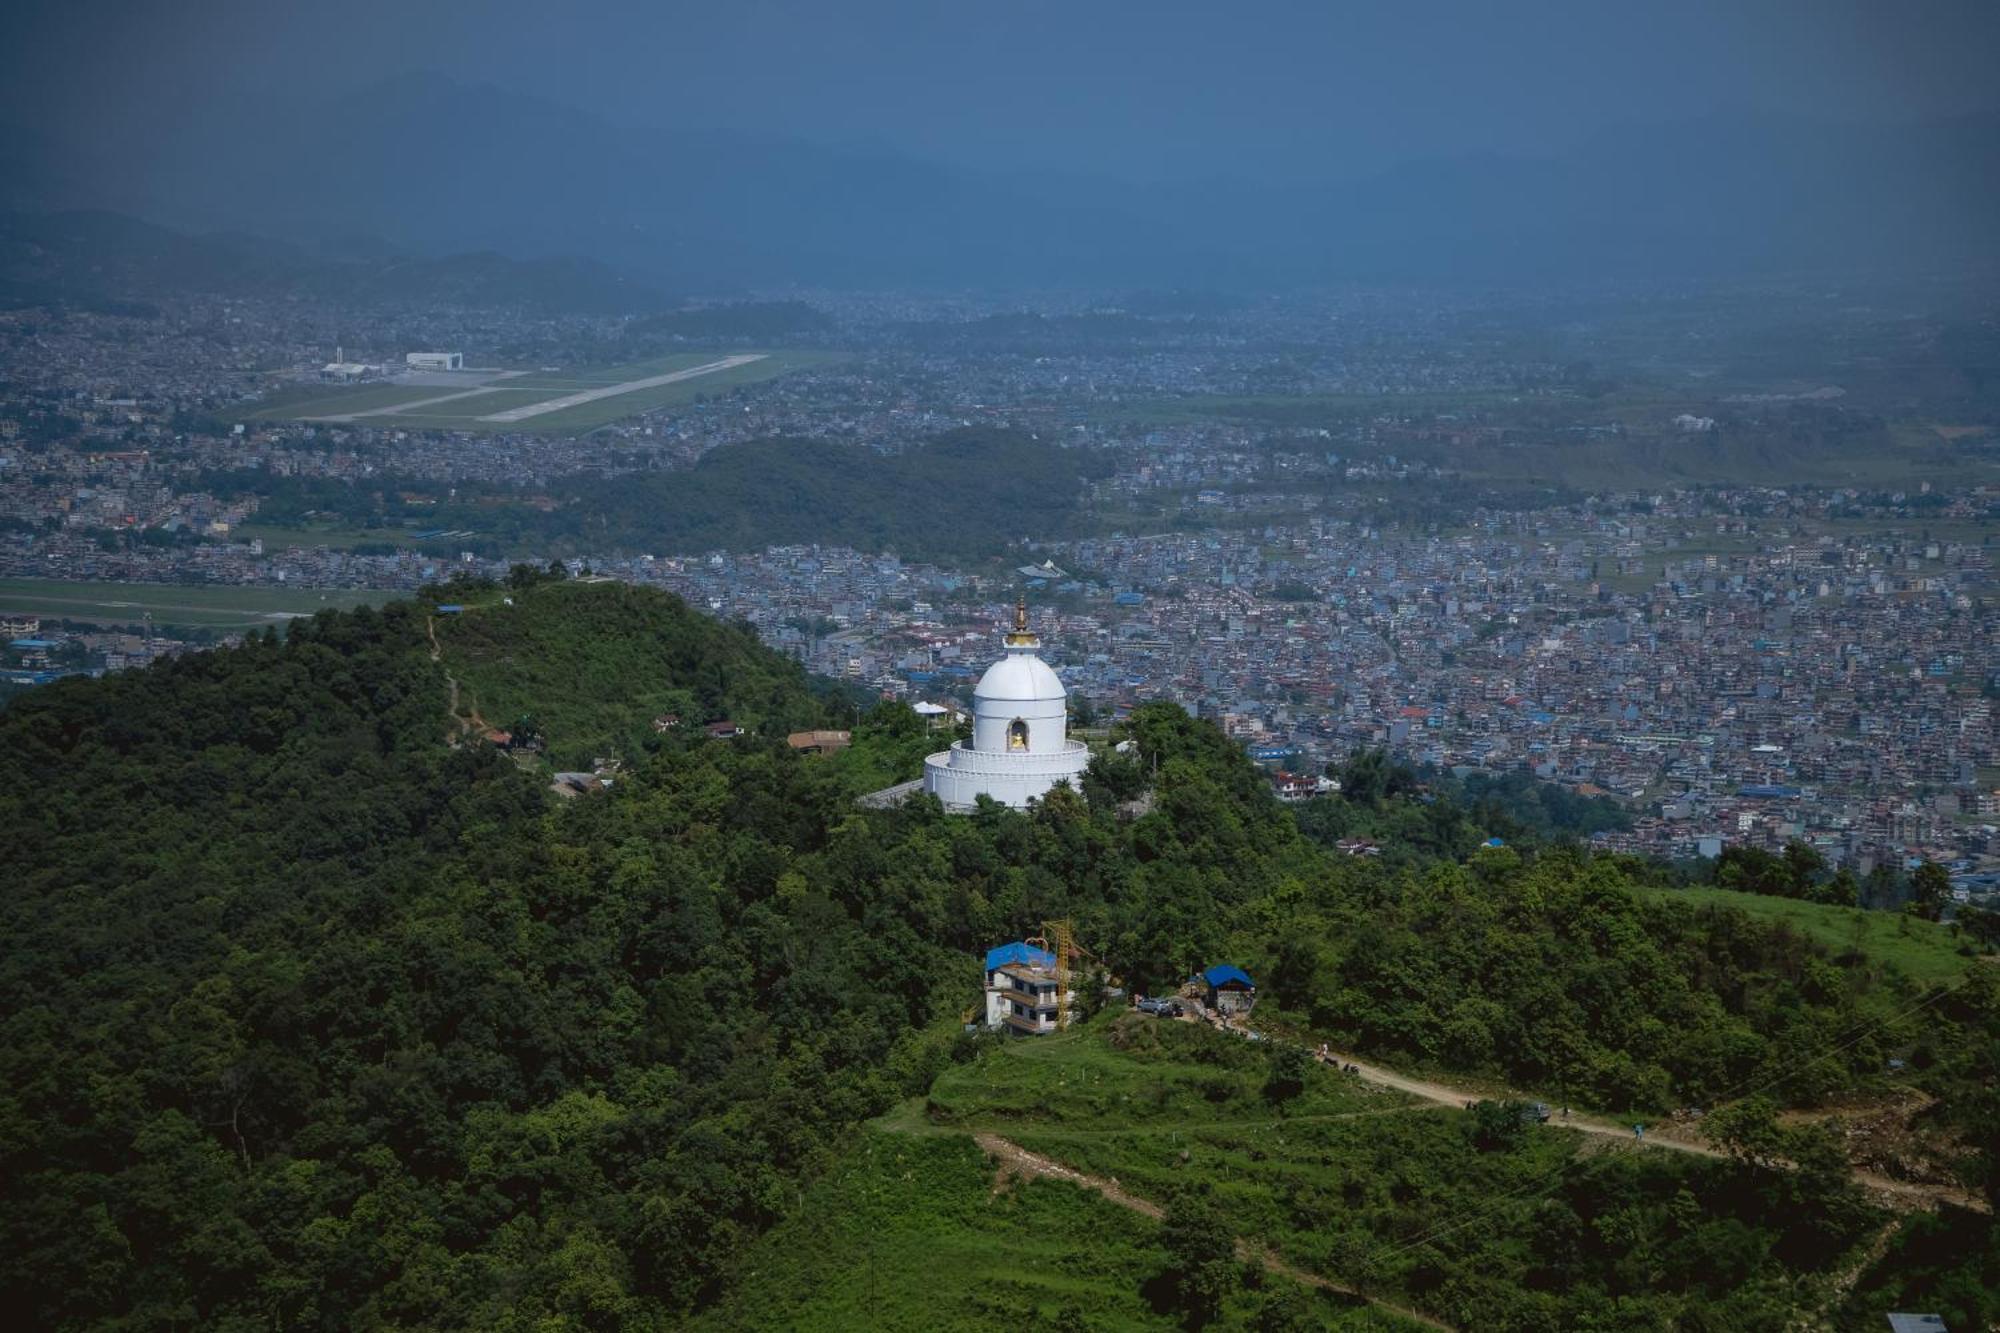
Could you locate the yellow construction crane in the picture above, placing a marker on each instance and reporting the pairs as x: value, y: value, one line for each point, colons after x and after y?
x: 1059, y: 938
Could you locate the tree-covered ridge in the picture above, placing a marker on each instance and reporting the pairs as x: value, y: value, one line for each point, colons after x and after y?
x: 1559, y: 975
x: 313, y: 1020
x: 593, y: 664
x: 309, y: 1018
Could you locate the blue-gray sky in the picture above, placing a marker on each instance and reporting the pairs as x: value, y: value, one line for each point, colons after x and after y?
x: 1143, y: 89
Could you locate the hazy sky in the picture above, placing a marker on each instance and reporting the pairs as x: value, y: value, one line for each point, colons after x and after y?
x: 1136, y: 88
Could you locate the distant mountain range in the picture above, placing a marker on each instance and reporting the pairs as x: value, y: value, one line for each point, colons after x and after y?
x: 98, y: 258
x: 441, y: 168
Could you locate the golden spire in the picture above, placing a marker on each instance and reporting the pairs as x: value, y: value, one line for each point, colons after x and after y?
x: 1022, y: 637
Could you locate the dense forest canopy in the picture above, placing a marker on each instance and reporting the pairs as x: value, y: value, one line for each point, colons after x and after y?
x: 321, y: 1013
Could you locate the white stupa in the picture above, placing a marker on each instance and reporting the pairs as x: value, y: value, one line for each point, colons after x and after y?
x: 1020, y: 733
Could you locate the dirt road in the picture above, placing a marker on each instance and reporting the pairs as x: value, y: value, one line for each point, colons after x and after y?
x: 1891, y: 1193
x: 1017, y: 1162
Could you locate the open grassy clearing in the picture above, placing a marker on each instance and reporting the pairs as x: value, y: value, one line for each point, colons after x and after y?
x: 1481, y: 1219
x: 201, y: 605
x: 1080, y: 1080
x: 1923, y: 951
x: 911, y: 1233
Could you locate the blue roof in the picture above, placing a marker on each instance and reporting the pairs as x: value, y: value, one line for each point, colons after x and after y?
x: 1223, y: 973
x: 1018, y: 952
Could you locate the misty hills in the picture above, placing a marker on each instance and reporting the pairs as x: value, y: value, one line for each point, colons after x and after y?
x: 109, y: 260
x: 439, y: 167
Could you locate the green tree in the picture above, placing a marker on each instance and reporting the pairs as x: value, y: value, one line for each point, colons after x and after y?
x: 1201, y: 1254
x: 1930, y: 891
x: 1289, y: 1067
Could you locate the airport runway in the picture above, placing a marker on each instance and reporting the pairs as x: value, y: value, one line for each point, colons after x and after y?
x: 613, y: 390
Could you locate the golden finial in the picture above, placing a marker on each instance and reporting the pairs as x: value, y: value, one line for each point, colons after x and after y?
x: 1021, y: 637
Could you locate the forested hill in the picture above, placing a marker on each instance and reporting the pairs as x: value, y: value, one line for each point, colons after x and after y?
x: 587, y: 667
x: 318, y: 1013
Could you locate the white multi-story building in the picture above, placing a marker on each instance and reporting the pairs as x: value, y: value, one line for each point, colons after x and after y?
x: 435, y: 360
x: 1025, y: 993
x: 1020, y: 745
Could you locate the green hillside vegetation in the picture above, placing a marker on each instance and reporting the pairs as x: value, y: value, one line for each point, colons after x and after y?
x: 913, y: 1234
x: 1476, y: 1217
x: 1138, y: 1073
x: 594, y: 664
x: 1920, y: 950
x: 312, y: 1019
x: 1418, y: 814
x: 1557, y: 973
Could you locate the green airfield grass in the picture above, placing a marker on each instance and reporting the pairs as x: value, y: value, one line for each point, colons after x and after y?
x: 318, y: 400
x: 598, y: 377
x: 1923, y: 951
x: 499, y: 398
x: 306, y: 401
x: 204, y: 606
x: 589, y: 416
x: 469, y: 413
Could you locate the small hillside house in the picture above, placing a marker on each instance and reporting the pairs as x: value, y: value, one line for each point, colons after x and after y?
x: 1023, y: 991
x: 1229, y: 989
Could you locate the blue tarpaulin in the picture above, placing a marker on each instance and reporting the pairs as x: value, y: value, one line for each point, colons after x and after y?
x: 1018, y: 952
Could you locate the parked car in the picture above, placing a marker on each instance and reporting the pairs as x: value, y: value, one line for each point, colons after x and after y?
x: 1535, y: 1112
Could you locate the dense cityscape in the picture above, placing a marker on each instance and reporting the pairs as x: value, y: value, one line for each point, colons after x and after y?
x: 1735, y: 664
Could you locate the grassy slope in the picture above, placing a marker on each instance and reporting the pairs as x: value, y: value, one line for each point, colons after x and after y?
x: 595, y: 663
x: 1079, y: 1082
x: 1922, y: 950
x: 909, y: 1233
x: 1351, y: 1181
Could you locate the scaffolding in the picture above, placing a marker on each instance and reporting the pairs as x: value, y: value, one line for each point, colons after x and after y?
x: 1059, y: 938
